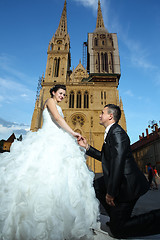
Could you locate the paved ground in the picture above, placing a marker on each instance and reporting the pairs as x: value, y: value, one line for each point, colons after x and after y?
x: 150, y: 201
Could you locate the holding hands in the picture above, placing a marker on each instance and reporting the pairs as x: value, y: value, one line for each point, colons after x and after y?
x: 83, y: 142
x: 78, y: 136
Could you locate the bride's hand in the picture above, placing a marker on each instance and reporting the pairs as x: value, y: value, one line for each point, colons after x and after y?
x: 77, y: 135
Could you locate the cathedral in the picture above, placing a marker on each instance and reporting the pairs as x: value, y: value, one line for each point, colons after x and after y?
x: 89, y: 88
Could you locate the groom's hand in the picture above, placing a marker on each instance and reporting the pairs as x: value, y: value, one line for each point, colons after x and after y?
x: 83, y: 142
x: 110, y: 200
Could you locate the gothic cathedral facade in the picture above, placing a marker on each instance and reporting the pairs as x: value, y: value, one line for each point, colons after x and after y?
x: 88, y: 89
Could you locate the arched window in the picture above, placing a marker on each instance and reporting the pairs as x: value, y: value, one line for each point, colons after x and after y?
x: 71, y: 100
x: 86, y: 100
x: 56, y: 67
x: 78, y: 99
x: 112, y: 63
x: 51, y: 47
x: 106, y: 62
x: 96, y: 42
x: 98, y: 63
x: 102, y: 62
x: 101, y: 95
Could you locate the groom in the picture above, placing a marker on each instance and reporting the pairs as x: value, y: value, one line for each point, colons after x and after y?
x: 122, y: 182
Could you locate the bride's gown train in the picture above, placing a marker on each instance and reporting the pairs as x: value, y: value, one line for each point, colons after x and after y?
x: 46, y: 190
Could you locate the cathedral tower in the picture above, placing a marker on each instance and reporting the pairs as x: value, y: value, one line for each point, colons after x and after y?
x: 57, y: 67
x: 88, y: 90
x: 103, y: 53
x: 58, y: 61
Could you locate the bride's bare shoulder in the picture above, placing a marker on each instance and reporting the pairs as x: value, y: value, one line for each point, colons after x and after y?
x: 45, y: 104
x: 48, y: 102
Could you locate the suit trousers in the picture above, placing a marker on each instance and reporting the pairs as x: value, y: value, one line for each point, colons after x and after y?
x: 121, y: 224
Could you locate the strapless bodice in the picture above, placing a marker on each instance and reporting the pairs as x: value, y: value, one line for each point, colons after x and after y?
x: 48, y: 119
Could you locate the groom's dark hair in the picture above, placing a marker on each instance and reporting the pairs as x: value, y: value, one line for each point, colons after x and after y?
x: 115, y: 110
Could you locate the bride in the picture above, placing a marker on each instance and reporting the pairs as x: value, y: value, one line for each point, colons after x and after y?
x: 46, y: 190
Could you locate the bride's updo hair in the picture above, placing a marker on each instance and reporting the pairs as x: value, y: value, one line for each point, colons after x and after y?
x: 56, y: 87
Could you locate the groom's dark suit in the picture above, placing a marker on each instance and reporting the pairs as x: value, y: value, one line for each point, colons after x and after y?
x: 122, y: 180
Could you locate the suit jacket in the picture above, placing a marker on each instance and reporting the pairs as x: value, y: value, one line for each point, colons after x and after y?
x: 123, y: 179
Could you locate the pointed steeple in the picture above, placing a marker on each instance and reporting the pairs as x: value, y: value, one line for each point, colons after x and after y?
x: 121, y: 104
x: 100, y: 22
x: 62, y: 28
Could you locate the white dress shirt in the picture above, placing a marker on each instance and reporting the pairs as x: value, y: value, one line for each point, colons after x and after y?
x: 107, y: 130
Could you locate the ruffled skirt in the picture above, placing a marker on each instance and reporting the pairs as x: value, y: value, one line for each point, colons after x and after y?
x: 46, y: 189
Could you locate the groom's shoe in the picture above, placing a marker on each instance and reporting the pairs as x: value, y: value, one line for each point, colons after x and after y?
x: 108, y: 229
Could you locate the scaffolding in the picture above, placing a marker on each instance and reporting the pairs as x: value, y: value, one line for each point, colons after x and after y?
x: 84, y: 59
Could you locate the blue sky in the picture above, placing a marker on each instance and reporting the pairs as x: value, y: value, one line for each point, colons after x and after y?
x: 26, y: 28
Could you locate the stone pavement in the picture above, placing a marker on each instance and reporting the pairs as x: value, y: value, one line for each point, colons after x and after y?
x: 149, y: 201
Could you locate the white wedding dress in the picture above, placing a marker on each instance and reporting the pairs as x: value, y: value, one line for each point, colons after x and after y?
x: 46, y: 190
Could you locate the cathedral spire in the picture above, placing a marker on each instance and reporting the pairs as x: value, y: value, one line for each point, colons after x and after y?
x: 62, y: 28
x: 121, y: 104
x: 100, y: 22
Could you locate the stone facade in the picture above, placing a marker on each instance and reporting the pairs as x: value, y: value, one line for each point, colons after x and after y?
x: 147, y: 150
x: 88, y: 90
